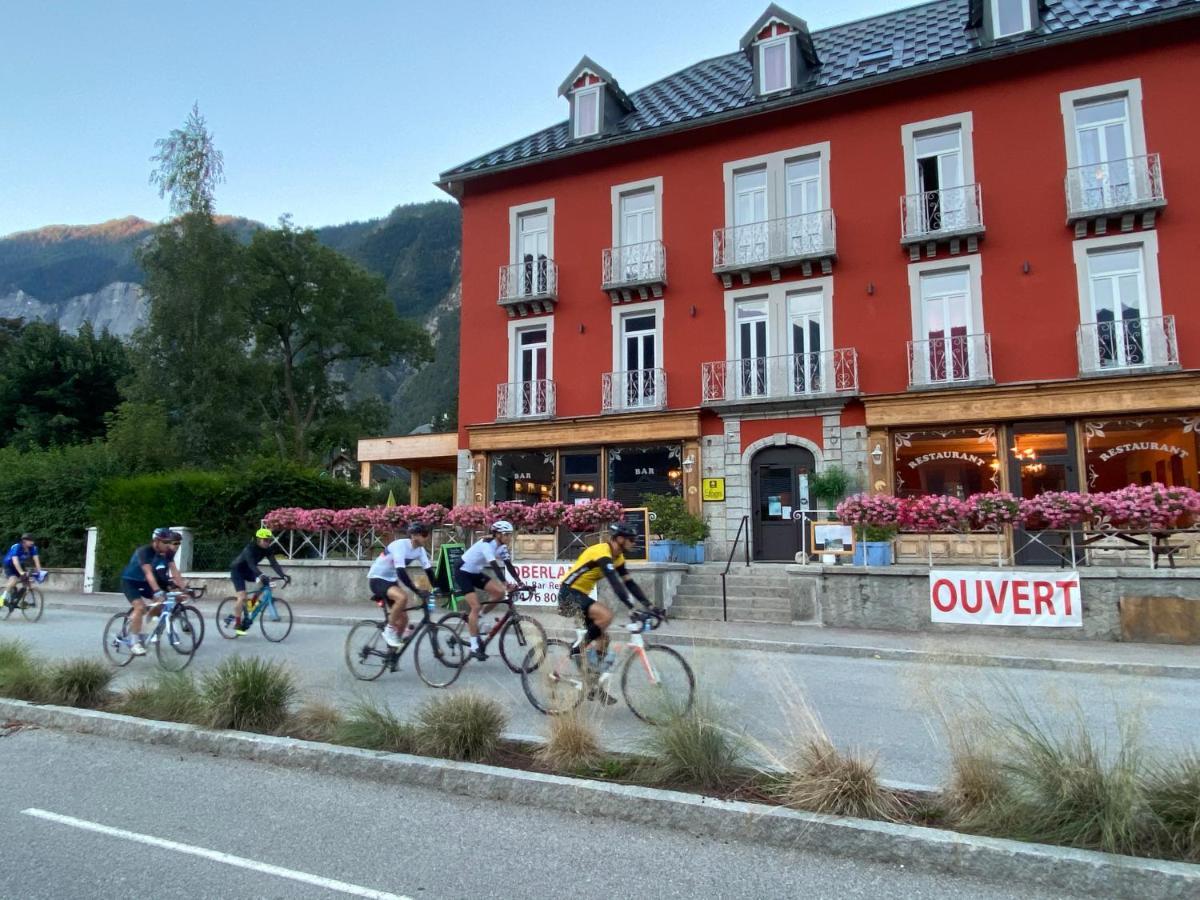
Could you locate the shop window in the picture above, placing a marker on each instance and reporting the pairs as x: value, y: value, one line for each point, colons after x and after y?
x: 1162, y: 449
x: 526, y: 477
x: 957, y: 462
x: 634, y: 472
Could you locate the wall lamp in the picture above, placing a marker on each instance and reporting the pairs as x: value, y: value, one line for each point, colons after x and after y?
x: 877, y: 455
x: 870, y: 287
x: 689, y: 463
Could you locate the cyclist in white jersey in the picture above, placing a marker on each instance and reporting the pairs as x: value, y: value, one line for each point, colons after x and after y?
x: 389, y: 572
x: 482, y: 569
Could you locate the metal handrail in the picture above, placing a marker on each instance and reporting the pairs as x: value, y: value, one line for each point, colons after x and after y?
x: 744, y: 524
x: 1118, y: 184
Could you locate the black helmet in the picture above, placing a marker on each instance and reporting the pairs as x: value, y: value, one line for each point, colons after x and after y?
x: 163, y: 534
x: 28, y: 537
x: 620, y: 529
x: 416, y: 528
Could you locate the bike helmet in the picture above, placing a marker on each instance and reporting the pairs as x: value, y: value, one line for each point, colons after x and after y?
x: 620, y: 529
x: 28, y: 537
x: 163, y: 534
x: 418, y: 528
x: 502, y: 527
x: 264, y: 534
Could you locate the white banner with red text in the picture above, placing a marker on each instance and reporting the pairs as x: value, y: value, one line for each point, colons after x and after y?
x: 990, y: 597
x: 544, y: 578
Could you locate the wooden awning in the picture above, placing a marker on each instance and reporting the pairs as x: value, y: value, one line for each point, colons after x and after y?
x: 422, y: 452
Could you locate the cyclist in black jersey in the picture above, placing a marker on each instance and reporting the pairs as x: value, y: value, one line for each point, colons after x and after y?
x: 245, y: 570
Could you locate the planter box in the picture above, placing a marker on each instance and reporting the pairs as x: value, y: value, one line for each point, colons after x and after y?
x: 873, y: 553
x: 963, y: 549
x: 535, y: 546
x: 676, y: 551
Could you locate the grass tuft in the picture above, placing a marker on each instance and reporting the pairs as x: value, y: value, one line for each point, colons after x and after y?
x: 248, y: 694
x: 171, y: 697
x: 1173, y: 798
x: 464, y: 726
x: 694, y: 749
x: 22, y: 675
x: 826, y: 780
x: 79, y: 682
x: 315, y: 721
x: 373, y: 726
x: 571, y: 745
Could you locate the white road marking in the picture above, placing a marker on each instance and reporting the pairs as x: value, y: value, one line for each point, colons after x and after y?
x: 228, y: 859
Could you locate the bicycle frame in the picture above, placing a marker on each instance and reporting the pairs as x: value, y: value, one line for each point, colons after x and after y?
x: 636, y: 644
x: 263, y: 598
x: 392, y: 655
x: 163, y: 619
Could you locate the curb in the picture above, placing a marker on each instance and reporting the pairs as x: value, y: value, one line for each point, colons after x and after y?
x: 850, y: 651
x: 1077, y: 871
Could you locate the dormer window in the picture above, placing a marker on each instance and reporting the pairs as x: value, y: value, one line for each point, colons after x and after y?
x: 587, y: 111
x: 780, y: 50
x: 597, y: 102
x: 1010, y: 17
x: 996, y: 20
x: 774, y: 65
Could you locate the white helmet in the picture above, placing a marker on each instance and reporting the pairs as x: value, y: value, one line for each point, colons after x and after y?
x: 502, y: 527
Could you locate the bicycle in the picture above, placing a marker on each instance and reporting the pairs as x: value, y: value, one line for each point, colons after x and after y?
x: 438, y: 657
x: 261, y: 605
x: 658, y: 689
x: 27, y: 598
x: 519, y: 635
x: 175, y: 635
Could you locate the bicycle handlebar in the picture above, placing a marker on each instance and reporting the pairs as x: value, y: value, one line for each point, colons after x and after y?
x: 653, y: 618
x: 521, y: 592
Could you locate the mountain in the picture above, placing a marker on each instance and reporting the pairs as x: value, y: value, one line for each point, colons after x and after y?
x: 71, y: 274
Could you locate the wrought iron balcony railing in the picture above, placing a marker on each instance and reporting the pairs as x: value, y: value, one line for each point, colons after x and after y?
x: 1116, y: 186
x: 780, y: 377
x: 949, y: 212
x: 533, y: 279
x: 1122, y: 345
x: 958, y: 359
x: 525, y: 399
x: 634, y: 390
x: 634, y: 265
x: 774, y: 242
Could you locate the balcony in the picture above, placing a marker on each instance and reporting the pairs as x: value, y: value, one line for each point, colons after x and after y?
x: 774, y: 245
x: 797, y: 376
x: 1118, y: 189
x: 949, y: 215
x: 956, y: 361
x: 525, y: 400
x: 1127, y: 346
x: 635, y: 390
x: 530, y: 287
x: 635, y: 271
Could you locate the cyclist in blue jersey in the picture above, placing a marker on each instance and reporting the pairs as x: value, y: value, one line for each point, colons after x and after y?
x: 142, y: 579
x: 16, y: 563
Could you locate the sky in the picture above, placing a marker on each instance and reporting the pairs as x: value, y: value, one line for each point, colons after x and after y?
x: 328, y: 111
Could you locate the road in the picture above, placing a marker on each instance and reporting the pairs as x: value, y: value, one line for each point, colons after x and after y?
x: 885, y: 707
x: 330, y: 836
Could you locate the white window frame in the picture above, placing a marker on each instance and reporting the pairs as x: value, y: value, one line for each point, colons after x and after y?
x: 776, y: 295
x: 775, y: 165
x: 994, y: 12
x: 617, y: 191
x: 965, y: 123
x: 514, y: 237
x: 1147, y: 240
x: 589, y: 90
x: 632, y: 310
x: 973, y: 263
x: 1132, y: 91
x: 761, y: 50
x: 515, y: 327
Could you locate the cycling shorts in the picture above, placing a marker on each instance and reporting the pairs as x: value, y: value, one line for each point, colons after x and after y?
x: 242, y: 576
x: 572, y: 602
x: 379, y: 587
x: 470, y: 582
x: 136, y: 590
x: 11, y: 570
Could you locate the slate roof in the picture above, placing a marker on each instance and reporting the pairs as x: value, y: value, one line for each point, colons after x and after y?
x: 915, y: 38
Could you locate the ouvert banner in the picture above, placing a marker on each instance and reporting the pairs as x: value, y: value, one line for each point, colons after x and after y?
x: 1005, y: 597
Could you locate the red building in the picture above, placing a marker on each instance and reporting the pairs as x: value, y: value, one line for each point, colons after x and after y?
x: 946, y: 248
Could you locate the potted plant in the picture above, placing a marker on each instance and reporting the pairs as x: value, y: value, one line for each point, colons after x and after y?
x: 875, y: 518
x: 682, y: 533
x: 874, y: 545
x: 828, y: 487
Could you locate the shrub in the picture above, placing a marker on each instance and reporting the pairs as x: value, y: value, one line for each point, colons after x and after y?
x: 248, y: 694
x: 315, y: 721
x: 172, y: 697
x: 829, y: 486
x: 22, y: 675
x: 825, y: 780
x: 374, y: 726
x: 694, y: 749
x: 672, y: 520
x: 79, y: 682
x: 571, y: 745
x: 1173, y: 797
x: 464, y: 726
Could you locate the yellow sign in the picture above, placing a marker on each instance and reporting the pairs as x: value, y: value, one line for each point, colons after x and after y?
x: 714, y: 488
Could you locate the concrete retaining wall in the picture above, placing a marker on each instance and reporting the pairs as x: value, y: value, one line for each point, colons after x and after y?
x: 67, y: 581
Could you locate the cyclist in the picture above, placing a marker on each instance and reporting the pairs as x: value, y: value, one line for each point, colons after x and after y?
x: 390, y: 571
x: 16, y: 561
x: 245, y: 569
x: 482, y: 569
x: 603, y: 560
x: 141, y: 580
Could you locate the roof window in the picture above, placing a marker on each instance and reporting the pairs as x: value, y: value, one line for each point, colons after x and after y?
x: 780, y: 51
x: 596, y: 101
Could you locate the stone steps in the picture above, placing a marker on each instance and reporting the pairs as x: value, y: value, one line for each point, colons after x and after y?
x: 713, y: 598
x: 713, y: 614
x: 732, y: 588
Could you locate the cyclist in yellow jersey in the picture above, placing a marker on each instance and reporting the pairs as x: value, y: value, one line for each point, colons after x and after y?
x: 604, y: 560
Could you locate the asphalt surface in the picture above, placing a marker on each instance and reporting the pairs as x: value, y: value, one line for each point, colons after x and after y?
x: 890, y: 708
x: 407, y: 842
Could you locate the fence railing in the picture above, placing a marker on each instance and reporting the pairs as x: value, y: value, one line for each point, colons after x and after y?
x: 525, y: 399
x: 644, y: 263
x: 1119, y: 184
x: 807, y: 236
x: 635, y: 389
x: 768, y: 377
x: 1124, y: 344
x: 929, y: 214
x: 949, y: 360
x: 529, y: 280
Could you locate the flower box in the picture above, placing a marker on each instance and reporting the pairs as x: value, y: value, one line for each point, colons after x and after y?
x: 676, y: 551
x: 873, y: 553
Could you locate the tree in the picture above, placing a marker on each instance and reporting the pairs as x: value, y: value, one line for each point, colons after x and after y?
x: 315, y: 316
x: 189, y: 166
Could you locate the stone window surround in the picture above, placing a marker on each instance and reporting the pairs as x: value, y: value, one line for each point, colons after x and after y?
x: 908, y: 134
x: 515, y: 212
x: 625, y: 310
x: 1131, y: 89
x: 776, y: 295
x: 515, y: 326
x: 775, y: 165
x: 1147, y: 241
x: 973, y: 263
x: 634, y: 187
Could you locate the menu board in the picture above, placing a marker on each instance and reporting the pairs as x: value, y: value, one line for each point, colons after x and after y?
x: 448, y: 558
x: 639, y: 520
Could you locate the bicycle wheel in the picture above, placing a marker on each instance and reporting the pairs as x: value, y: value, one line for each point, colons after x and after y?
x: 226, y: 623
x: 32, y: 604
x: 195, y: 619
x: 176, y: 643
x: 457, y: 623
x: 438, y: 656
x: 116, y: 640
x: 367, y: 653
x: 520, y: 635
x: 659, y: 685
x: 276, y: 620
x: 555, y: 683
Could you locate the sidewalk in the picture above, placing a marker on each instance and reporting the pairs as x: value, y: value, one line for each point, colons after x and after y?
x: 1162, y: 660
